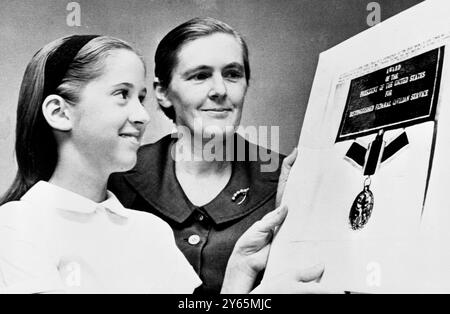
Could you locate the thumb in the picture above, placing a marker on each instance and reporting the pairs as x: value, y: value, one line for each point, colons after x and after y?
x: 313, y: 273
x: 272, y: 220
x: 284, y: 174
x: 287, y: 164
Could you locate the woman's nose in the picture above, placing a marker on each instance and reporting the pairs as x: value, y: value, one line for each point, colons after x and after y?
x: 218, y: 87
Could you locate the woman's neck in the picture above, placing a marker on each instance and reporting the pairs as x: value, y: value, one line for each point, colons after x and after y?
x: 200, y: 170
x: 201, y: 158
x: 203, y: 168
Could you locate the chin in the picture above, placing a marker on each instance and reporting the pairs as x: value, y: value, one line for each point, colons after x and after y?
x: 217, y: 134
x: 126, y: 164
x: 220, y: 126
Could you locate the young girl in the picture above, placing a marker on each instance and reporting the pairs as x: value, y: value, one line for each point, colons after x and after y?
x: 80, y: 118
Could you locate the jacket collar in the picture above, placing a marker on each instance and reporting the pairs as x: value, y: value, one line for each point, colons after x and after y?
x: 47, y: 194
x: 154, y: 180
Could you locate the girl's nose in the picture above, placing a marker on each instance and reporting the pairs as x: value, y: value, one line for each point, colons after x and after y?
x: 138, y: 113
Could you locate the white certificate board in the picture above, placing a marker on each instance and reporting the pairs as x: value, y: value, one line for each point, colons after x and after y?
x: 403, y: 246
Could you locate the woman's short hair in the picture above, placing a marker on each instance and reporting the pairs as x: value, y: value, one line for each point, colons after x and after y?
x: 166, y: 56
x: 35, y: 146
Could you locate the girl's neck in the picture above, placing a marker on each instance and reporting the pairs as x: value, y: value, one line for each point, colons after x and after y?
x: 75, y: 175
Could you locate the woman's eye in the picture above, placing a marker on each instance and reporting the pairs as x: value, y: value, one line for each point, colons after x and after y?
x: 200, y: 76
x: 234, y: 75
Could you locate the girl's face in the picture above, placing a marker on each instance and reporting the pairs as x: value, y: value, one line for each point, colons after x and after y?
x: 109, y: 120
x: 208, y: 84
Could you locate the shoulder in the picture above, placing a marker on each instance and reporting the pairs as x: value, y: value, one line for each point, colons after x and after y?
x: 10, y: 207
x: 21, y: 222
x: 23, y: 217
x: 151, y: 225
x: 14, y: 212
x: 26, y: 263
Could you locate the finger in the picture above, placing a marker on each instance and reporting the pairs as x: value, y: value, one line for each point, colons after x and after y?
x: 262, y: 231
x: 268, y: 224
x: 272, y: 220
x: 313, y: 273
x: 287, y: 165
x: 290, y: 159
x: 284, y: 174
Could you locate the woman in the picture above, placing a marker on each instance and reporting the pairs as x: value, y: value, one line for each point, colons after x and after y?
x: 203, y: 181
x: 80, y: 118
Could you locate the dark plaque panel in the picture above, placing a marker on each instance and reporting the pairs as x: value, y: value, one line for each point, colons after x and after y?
x: 397, y: 96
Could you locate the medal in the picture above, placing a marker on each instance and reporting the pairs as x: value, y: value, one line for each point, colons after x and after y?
x: 369, y: 160
x: 362, y: 207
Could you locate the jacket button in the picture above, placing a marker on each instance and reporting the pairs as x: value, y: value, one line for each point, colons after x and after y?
x: 194, y: 239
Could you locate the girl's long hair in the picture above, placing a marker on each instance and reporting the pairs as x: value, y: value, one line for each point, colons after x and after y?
x: 35, y: 146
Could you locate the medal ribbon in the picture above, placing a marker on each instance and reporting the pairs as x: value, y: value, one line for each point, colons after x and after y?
x: 369, y: 159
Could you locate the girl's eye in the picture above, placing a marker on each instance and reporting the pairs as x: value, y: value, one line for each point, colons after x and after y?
x: 123, y: 93
x: 142, y: 99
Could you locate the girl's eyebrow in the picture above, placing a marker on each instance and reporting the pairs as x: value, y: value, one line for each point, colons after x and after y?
x: 129, y: 85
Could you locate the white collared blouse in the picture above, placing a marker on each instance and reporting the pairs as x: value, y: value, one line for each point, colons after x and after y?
x: 54, y: 240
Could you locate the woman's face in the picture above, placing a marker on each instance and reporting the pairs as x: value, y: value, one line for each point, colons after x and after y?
x: 208, y: 85
x: 109, y: 120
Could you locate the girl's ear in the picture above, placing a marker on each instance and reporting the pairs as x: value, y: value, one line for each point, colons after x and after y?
x: 161, y: 94
x: 55, y: 110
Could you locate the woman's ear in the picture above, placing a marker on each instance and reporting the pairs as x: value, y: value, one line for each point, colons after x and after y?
x: 55, y: 110
x: 161, y: 94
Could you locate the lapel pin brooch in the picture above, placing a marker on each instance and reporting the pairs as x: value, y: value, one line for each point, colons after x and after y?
x: 242, y: 192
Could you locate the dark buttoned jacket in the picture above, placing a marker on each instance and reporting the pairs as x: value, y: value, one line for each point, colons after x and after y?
x: 206, y: 234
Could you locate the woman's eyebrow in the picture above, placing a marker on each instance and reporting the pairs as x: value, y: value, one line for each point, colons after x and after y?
x: 196, y: 69
x: 235, y: 65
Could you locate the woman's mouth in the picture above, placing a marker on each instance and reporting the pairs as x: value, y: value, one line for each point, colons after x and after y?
x: 218, y: 113
x: 217, y: 109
